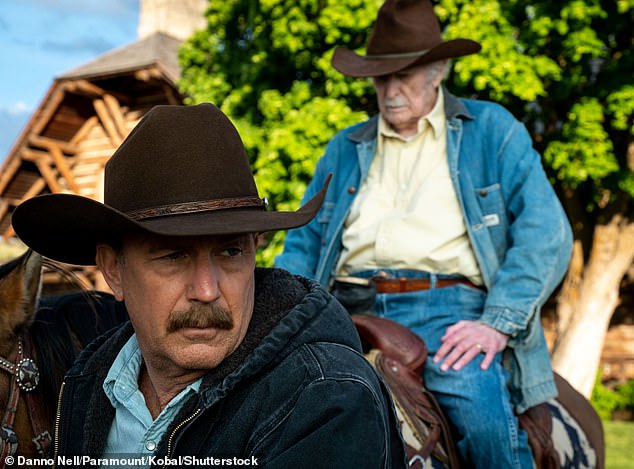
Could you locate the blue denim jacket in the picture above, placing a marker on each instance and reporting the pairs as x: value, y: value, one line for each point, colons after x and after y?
x: 518, y: 229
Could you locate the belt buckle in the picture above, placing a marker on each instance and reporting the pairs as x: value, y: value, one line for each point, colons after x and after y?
x: 380, y: 275
x: 380, y: 278
x: 354, y: 280
x: 386, y: 283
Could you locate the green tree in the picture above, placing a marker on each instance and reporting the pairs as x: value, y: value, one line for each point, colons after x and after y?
x: 267, y: 65
x: 564, y: 68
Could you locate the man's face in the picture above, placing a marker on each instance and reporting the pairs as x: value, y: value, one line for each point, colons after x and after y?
x: 406, y: 96
x: 190, y: 299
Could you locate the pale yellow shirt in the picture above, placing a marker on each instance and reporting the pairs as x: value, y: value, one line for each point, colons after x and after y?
x: 407, y: 214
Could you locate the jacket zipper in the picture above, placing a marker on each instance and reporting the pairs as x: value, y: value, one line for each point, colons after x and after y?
x: 178, y: 427
x: 58, y: 419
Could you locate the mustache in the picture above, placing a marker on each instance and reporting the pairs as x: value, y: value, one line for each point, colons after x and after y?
x: 200, y: 316
x: 395, y: 102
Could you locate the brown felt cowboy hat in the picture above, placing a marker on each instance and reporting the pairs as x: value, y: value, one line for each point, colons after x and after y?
x: 182, y: 171
x: 406, y: 33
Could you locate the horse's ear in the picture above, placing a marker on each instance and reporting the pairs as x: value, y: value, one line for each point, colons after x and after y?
x: 32, y: 279
x: 20, y: 283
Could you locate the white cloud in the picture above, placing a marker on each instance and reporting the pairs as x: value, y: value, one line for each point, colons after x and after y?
x: 17, y: 109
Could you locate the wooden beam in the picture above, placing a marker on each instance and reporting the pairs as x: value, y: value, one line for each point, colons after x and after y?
x: 63, y: 168
x: 114, y: 109
x: 143, y: 75
x: 45, y: 142
x: 9, y: 171
x: 49, y: 109
x: 13, y: 202
x: 4, y: 207
x: 29, y: 154
x: 107, y: 122
x: 42, y: 160
x: 96, y: 152
x: 90, y: 169
x: 156, y: 73
x: 49, y: 176
x: 35, y: 189
x: 84, y: 130
x: 172, y: 97
x: 85, y: 87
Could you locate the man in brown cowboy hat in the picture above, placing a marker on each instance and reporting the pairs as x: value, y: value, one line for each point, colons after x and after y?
x: 441, y: 208
x: 221, y: 361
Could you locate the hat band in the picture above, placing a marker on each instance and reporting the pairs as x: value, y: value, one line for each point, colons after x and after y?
x: 196, y: 207
x: 404, y: 55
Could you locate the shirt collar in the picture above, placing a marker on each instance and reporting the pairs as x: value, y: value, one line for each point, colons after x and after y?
x: 122, y: 379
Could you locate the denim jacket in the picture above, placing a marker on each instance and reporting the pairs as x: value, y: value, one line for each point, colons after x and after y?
x: 518, y: 229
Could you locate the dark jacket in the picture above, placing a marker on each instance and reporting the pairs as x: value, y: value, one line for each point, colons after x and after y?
x: 296, y: 393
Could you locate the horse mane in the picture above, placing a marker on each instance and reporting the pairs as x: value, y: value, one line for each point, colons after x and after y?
x: 63, y: 325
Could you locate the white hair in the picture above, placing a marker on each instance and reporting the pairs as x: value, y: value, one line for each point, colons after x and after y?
x: 439, y: 67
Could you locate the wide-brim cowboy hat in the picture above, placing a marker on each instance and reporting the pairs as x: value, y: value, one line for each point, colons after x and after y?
x: 406, y: 33
x: 182, y: 171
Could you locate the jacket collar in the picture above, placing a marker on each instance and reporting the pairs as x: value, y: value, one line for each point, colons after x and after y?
x: 454, y: 107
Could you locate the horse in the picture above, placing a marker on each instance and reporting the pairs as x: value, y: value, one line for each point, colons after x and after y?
x: 40, y: 337
x: 565, y: 432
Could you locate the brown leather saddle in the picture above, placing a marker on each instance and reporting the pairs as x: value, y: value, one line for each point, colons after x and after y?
x: 399, y: 357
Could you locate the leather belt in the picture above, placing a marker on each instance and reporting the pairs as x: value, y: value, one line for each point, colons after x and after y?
x: 404, y: 285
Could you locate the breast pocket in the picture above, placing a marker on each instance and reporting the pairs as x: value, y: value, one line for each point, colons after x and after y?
x: 323, y: 218
x: 494, y: 218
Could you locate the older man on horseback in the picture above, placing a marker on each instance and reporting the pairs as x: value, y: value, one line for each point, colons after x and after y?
x: 440, y: 216
x: 220, y: 359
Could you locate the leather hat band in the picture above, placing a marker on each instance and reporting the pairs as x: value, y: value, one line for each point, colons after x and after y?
x: 404, y: 55
x: 196, y: 207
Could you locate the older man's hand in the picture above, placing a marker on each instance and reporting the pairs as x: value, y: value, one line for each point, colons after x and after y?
x: 467, y: 339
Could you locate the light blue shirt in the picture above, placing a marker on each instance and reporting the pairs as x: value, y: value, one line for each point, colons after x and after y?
x: 133, y: 432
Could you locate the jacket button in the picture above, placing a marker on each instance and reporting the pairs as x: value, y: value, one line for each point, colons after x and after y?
x: 150, y: 445
x: 352, y: 190
x: 483, y: 193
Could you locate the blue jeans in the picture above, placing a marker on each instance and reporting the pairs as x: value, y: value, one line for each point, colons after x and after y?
x: 476, y: 402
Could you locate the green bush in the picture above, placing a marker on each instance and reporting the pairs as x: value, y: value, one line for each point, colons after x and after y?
x: 606, y: 401
x: 627, y: 393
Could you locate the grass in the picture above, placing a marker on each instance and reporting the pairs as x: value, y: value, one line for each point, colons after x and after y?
x: 619, y: 442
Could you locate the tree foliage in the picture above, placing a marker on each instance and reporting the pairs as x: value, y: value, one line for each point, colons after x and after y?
x: 565, y: 68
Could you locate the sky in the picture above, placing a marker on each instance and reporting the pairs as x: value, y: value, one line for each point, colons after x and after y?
x: 40, y: 39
